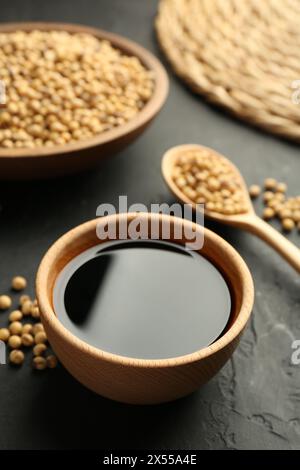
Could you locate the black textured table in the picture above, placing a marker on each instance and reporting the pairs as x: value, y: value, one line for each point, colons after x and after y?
x: 254, y: 402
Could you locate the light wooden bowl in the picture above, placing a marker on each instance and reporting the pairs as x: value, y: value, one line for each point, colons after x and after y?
x: 48, y: 162
x: 143, y: 381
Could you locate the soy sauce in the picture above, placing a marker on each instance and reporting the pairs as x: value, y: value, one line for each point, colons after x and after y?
x: 143, y: 299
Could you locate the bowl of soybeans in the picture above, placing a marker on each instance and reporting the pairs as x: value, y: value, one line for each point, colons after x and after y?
x: 71, y: 95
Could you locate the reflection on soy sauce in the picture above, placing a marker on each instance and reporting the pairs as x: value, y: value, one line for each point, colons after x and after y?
x: 145, y: 299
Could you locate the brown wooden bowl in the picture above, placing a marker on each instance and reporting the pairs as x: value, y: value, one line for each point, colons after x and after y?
x: 142, y: 381
x: 48, y: 162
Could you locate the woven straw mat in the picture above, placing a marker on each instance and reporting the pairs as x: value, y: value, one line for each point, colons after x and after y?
x: 241, y: 54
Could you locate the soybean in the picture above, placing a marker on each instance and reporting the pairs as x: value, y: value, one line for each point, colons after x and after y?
x: 16, y: 357
x: 5, y: 302
x: 19, y: 283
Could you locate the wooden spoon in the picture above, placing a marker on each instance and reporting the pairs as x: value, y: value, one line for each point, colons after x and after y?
x: 247, y: 220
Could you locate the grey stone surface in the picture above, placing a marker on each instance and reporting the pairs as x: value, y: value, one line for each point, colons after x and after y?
x: 254, y: 402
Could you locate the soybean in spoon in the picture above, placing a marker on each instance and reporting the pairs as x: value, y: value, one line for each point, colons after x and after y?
x: 197, y: 174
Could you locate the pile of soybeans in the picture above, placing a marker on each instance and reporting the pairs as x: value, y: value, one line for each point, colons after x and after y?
x: 62, y: 87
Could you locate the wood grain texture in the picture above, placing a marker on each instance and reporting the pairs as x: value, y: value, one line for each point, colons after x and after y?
x: 275, y: 239
x: 48, y: 162
x: 141, y: 381
x: 247, y: 221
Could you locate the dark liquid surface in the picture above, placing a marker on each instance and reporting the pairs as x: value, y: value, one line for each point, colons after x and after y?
x: 143, y: 299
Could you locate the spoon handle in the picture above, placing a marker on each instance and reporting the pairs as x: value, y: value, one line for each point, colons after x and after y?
x: 287, y: 249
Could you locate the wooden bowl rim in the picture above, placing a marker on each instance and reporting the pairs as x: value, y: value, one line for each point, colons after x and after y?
x: 126, y: 45
x: 59, y: 247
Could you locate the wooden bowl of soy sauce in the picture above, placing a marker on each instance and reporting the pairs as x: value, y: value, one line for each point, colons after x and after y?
x: 143, y: 321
